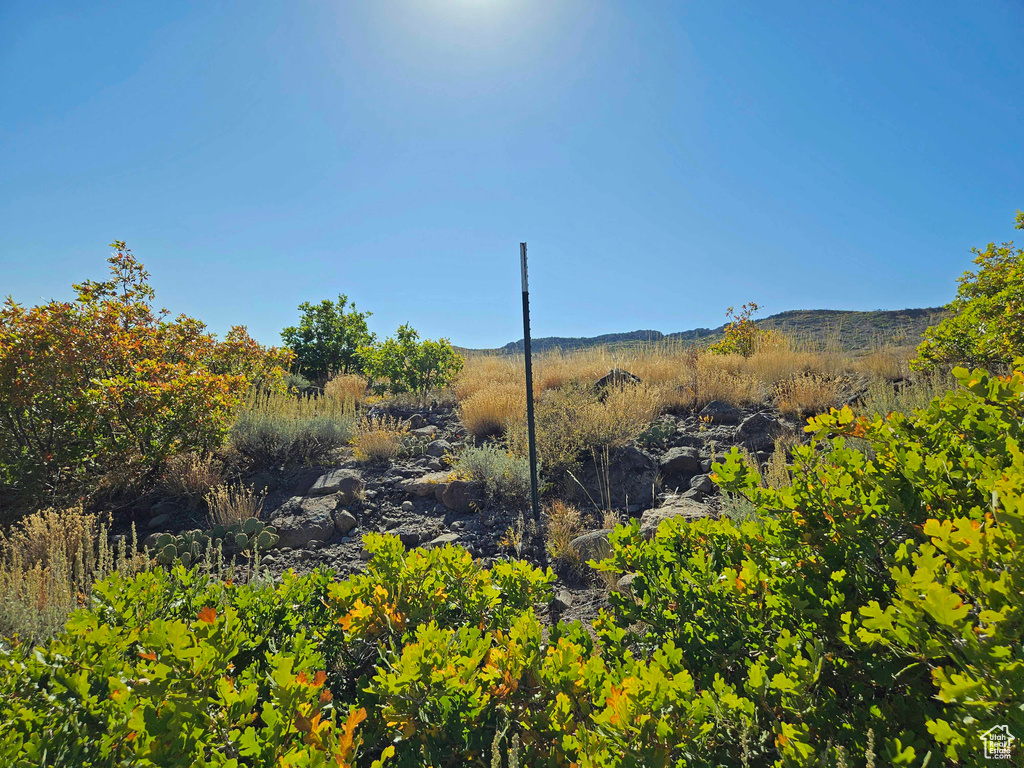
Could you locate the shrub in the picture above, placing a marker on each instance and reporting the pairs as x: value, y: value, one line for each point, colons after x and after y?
x: 487, y: 411
x: 48, y: 565
x: 105, y: 381
x: 189, y: 477
x: 987, y: 324
x: 268, y: 440
x: 231, y: 504
x: 404, y: 364
x: 327, y: 338
x: 347, y: 387
x: 503, y: 475
x: 379, y: 438
x: 742, y: 336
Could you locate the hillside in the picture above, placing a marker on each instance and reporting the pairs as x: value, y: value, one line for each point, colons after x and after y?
x: 846, y: 329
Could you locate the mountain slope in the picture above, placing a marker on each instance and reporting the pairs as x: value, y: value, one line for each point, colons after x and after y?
x: 846, y: 329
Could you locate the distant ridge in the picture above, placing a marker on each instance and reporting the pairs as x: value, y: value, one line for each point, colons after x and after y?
x: 849, y: 330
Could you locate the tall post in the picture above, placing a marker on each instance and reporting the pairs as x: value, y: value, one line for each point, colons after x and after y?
x: 534, y: 489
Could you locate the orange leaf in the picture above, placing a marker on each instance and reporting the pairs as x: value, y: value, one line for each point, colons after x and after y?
x: 148, y: 655
x: 208, y: 615
x: 320, y: 677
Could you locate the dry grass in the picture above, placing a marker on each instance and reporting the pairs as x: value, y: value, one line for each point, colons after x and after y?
x: 48, y: 565
x: 230, y: 504
x: 379, y: 438
x: 189, y: 477
x: 346, y: 388
x: 807, y: 395
x: 565, y: 523
x: 489, y: 409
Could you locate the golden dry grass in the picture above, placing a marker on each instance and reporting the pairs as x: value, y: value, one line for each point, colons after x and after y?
x: 565, y: 523
x: 230, y: 504
x: 807, y: 395
x: 189, y: 477
x: 346, y: 388
x: 490, y: 408
x: 379, y: 438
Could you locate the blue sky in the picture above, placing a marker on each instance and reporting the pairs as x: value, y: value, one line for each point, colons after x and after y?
x: 663, y: 160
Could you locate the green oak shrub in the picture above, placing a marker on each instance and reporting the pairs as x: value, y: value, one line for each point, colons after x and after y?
x: 870, y: 612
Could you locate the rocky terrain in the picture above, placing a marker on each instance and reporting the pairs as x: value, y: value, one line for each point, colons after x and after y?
x: 321, y: 513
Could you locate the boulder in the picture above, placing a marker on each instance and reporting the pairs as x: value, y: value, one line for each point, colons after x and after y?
x: 593, y: 545
x: 425, y: 485
x: 407, y: 506
x: 428, y: 432
x: 759, y: 431
x: 439, y: 448
x: 562, y: 601
x: 680, y: 461
x: 346, y: 482
x: 408, y: 537
x: 704, y: 484
x: 442, y: 540
x: 462, y: 496
x: 344, y: 521
x: 675, y: 506
x: 616, y: 377
x: 416, y: 421
x: 300, y: 520
x: 628, y: 479
x: 720, y: 413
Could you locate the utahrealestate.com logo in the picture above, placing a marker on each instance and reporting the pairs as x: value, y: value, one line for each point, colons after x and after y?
x: 997, y: 742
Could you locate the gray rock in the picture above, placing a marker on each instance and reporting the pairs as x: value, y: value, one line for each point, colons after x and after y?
x: 693, y: 495
x: 676, y: 506
x: 593, y: 545
x: 759, y: 431
x: 344, y: 521
x: 313, y: 544
x: 407, y: 506
x: 425, y: 485
x: 721, y: 413
x: 300, y: 520
x: 434, y: 464
x: 616, y: 377
x: 680, y: 461
x: 159, y: 521
x: 442, y: 540
x: 628, y: 479
x: 625, y: 584
x: 346, y: 482
x: 562, y: 601
x: 439, y: 448
x: 704, y: 484
x: 428, y: 431
x: 705, y: 466
x: 416, y: 421
x: 408, y: 537
x: 462, y: 496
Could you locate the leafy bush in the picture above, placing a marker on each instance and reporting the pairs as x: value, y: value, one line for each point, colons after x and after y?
x: 743, y: 337
x: 503, y: 475
x: 269, y: 440
x: 404, y: 364
x: 327, y: 338
x: 869, y: 611
x: 987, y: 324
x: 107, y: 382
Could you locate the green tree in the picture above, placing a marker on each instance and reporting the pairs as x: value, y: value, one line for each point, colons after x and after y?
x: 403, y: 363
x: 987, y: 324
x: 327, y: 338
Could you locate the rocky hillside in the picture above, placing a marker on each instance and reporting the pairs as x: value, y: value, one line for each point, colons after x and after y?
x: 851, y: 331
x: 321, y: 513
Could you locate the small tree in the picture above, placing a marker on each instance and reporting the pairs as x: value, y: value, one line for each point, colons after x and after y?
x: 327, y: 338
x: 107, y: 382
x: 404, y: 364
x: 741, y: 334
x: 987, y: 325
